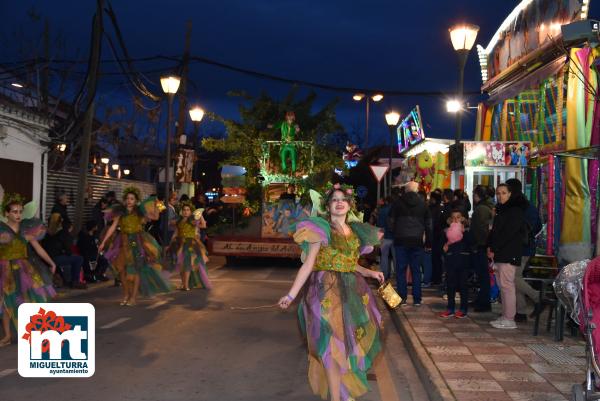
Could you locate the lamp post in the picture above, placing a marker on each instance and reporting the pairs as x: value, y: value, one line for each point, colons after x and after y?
x: 392, y: 118
x: 463, y: 38
x: 377, y: 97
x: 169, y: 85
x: 105, y: 161
x: 196, y: 115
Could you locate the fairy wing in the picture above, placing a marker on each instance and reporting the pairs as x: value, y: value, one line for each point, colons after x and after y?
x: 317, y: 204
x: 30, y: 210
x: 198, y: 213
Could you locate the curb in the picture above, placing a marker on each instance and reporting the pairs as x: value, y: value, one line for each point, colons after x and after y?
x: 430, y: 376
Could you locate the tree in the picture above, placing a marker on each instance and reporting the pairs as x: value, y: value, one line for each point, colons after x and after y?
x: 245, y: 137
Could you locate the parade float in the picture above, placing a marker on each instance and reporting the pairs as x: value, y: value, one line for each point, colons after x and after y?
x: 284, y: 166
x: 540, y: 71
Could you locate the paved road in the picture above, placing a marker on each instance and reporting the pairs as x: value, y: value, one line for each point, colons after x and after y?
x: 194, y: 346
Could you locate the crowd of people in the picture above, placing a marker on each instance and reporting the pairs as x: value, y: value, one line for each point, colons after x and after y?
x: 444, y: 240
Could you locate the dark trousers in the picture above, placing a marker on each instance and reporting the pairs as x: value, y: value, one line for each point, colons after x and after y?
x: 479, y: 261
x: 437, y: 267
x: 74, y: 262
x: 457, y: 266
x: 406, y: 256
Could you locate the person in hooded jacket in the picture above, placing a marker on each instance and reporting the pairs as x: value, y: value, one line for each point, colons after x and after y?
x: 506, y: 248
x: 480, y: 228
x: 412, y: 226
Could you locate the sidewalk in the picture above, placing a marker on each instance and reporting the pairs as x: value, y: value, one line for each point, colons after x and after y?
x: 469, y: 360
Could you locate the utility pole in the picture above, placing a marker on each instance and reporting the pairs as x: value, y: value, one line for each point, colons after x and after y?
x: 86, y: 139
x: 183, y: 108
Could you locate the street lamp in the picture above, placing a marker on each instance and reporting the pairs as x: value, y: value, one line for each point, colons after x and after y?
x: 170, y: 85
x: 126, y: 171
x: 196, y: 115
x: 392, y: 118
x: 376, y: 97
x: 105, y: 161
x: 463, y: 38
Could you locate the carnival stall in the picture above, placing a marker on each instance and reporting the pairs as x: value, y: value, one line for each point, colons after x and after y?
x: 539, y: 72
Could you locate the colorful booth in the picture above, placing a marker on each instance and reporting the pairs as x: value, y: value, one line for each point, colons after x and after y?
x: 539, y: 72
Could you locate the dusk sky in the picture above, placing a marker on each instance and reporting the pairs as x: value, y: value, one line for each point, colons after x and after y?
x: 383, y: 45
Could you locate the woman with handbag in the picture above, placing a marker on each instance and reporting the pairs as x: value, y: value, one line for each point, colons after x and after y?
x: 337, y: 312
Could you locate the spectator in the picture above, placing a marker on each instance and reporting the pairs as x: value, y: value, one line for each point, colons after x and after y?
x: 534, y: 226
x: 59, y: 211
x: 461, y: 202
x: 456, y: 249
x: 435, y: 209
x: 480, y: 229
x: 94, y: 265
x: 58, y: 246
x: 412, y: 223
x: 98, y: 214
x: 111, y: 198
x: 505, y: 248
x: 387, y: 243
x: 169, y: 217
x: 184, y: 198
x: 426, y: 256
x: 200, y: 201
x: 447, y: 199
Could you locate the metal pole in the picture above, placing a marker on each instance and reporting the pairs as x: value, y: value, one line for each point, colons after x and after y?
x: 367, y: 125
x: 391, y: 154
x: 378, y: 191
x: 167, y: 172
x: 462, y: 60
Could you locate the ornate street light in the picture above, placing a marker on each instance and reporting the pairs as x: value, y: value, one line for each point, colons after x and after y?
x: 377, y: 97
x: 196, y: 115
x: 170, y: 85
x: 463, y: 38
x: 391, y: 118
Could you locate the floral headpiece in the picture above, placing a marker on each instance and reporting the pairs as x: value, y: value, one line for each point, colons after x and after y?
x: 132, y: 190
x: 348, y: 190
x: 10, y: 198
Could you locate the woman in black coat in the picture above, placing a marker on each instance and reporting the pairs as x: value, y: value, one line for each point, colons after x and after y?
x: 505, y: 248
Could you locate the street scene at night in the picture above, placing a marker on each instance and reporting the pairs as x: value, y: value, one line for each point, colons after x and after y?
x: 300, y: 200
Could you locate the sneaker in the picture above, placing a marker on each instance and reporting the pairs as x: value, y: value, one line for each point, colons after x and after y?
x: 425, y: 285
x: 446, y: 314
x: 417, y: 304
x: 404, y: 303
x: 504, y: 324
x: 460, y: 315
x: 497, y: 320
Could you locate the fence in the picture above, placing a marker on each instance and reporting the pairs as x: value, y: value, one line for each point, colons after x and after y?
x: 61, y: 181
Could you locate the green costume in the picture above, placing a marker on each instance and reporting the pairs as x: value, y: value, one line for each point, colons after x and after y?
x: 288, y: 149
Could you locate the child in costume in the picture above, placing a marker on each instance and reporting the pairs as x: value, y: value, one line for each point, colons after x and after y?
x: 190, y: 252
x: 22, y: 278
x: 338, y: 313
x: 134, y: 253
x: 457, y: 257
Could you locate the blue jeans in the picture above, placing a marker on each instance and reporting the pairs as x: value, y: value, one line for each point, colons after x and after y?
x: 427, y: 266
x: 75, y: 262
x: 409, y: 256
x: 387, y: 251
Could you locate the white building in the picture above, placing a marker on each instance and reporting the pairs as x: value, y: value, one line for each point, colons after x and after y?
x: 24, y: 144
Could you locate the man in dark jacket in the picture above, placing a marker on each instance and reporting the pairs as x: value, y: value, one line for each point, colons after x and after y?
x: 479, y: 231
x: 58, y: 247
x: 412, y: 224
x: 59, y: 211
x: 534, y: 223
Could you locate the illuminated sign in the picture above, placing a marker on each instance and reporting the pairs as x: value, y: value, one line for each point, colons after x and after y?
x: 410, y: 131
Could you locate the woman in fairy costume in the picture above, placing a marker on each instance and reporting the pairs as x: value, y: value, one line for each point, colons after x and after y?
x: 337, y: 312
x: 190, y: 252
x: 134, y: 253
x: 22, y: 278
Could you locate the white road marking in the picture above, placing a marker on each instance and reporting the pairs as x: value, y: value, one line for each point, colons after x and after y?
x: 115, y: 323
x: 157, y: 304
x: 7, y: 372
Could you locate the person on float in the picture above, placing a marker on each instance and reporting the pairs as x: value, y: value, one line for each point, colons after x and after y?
x: 23, y: 278
x: 338, y: 313
x: 190, y: 253
x: 133, y: 252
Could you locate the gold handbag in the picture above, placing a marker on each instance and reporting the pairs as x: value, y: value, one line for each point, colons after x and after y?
x: 389, y: 295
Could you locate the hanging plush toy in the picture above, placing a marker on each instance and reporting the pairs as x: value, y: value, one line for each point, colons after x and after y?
x: 425, y: 170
